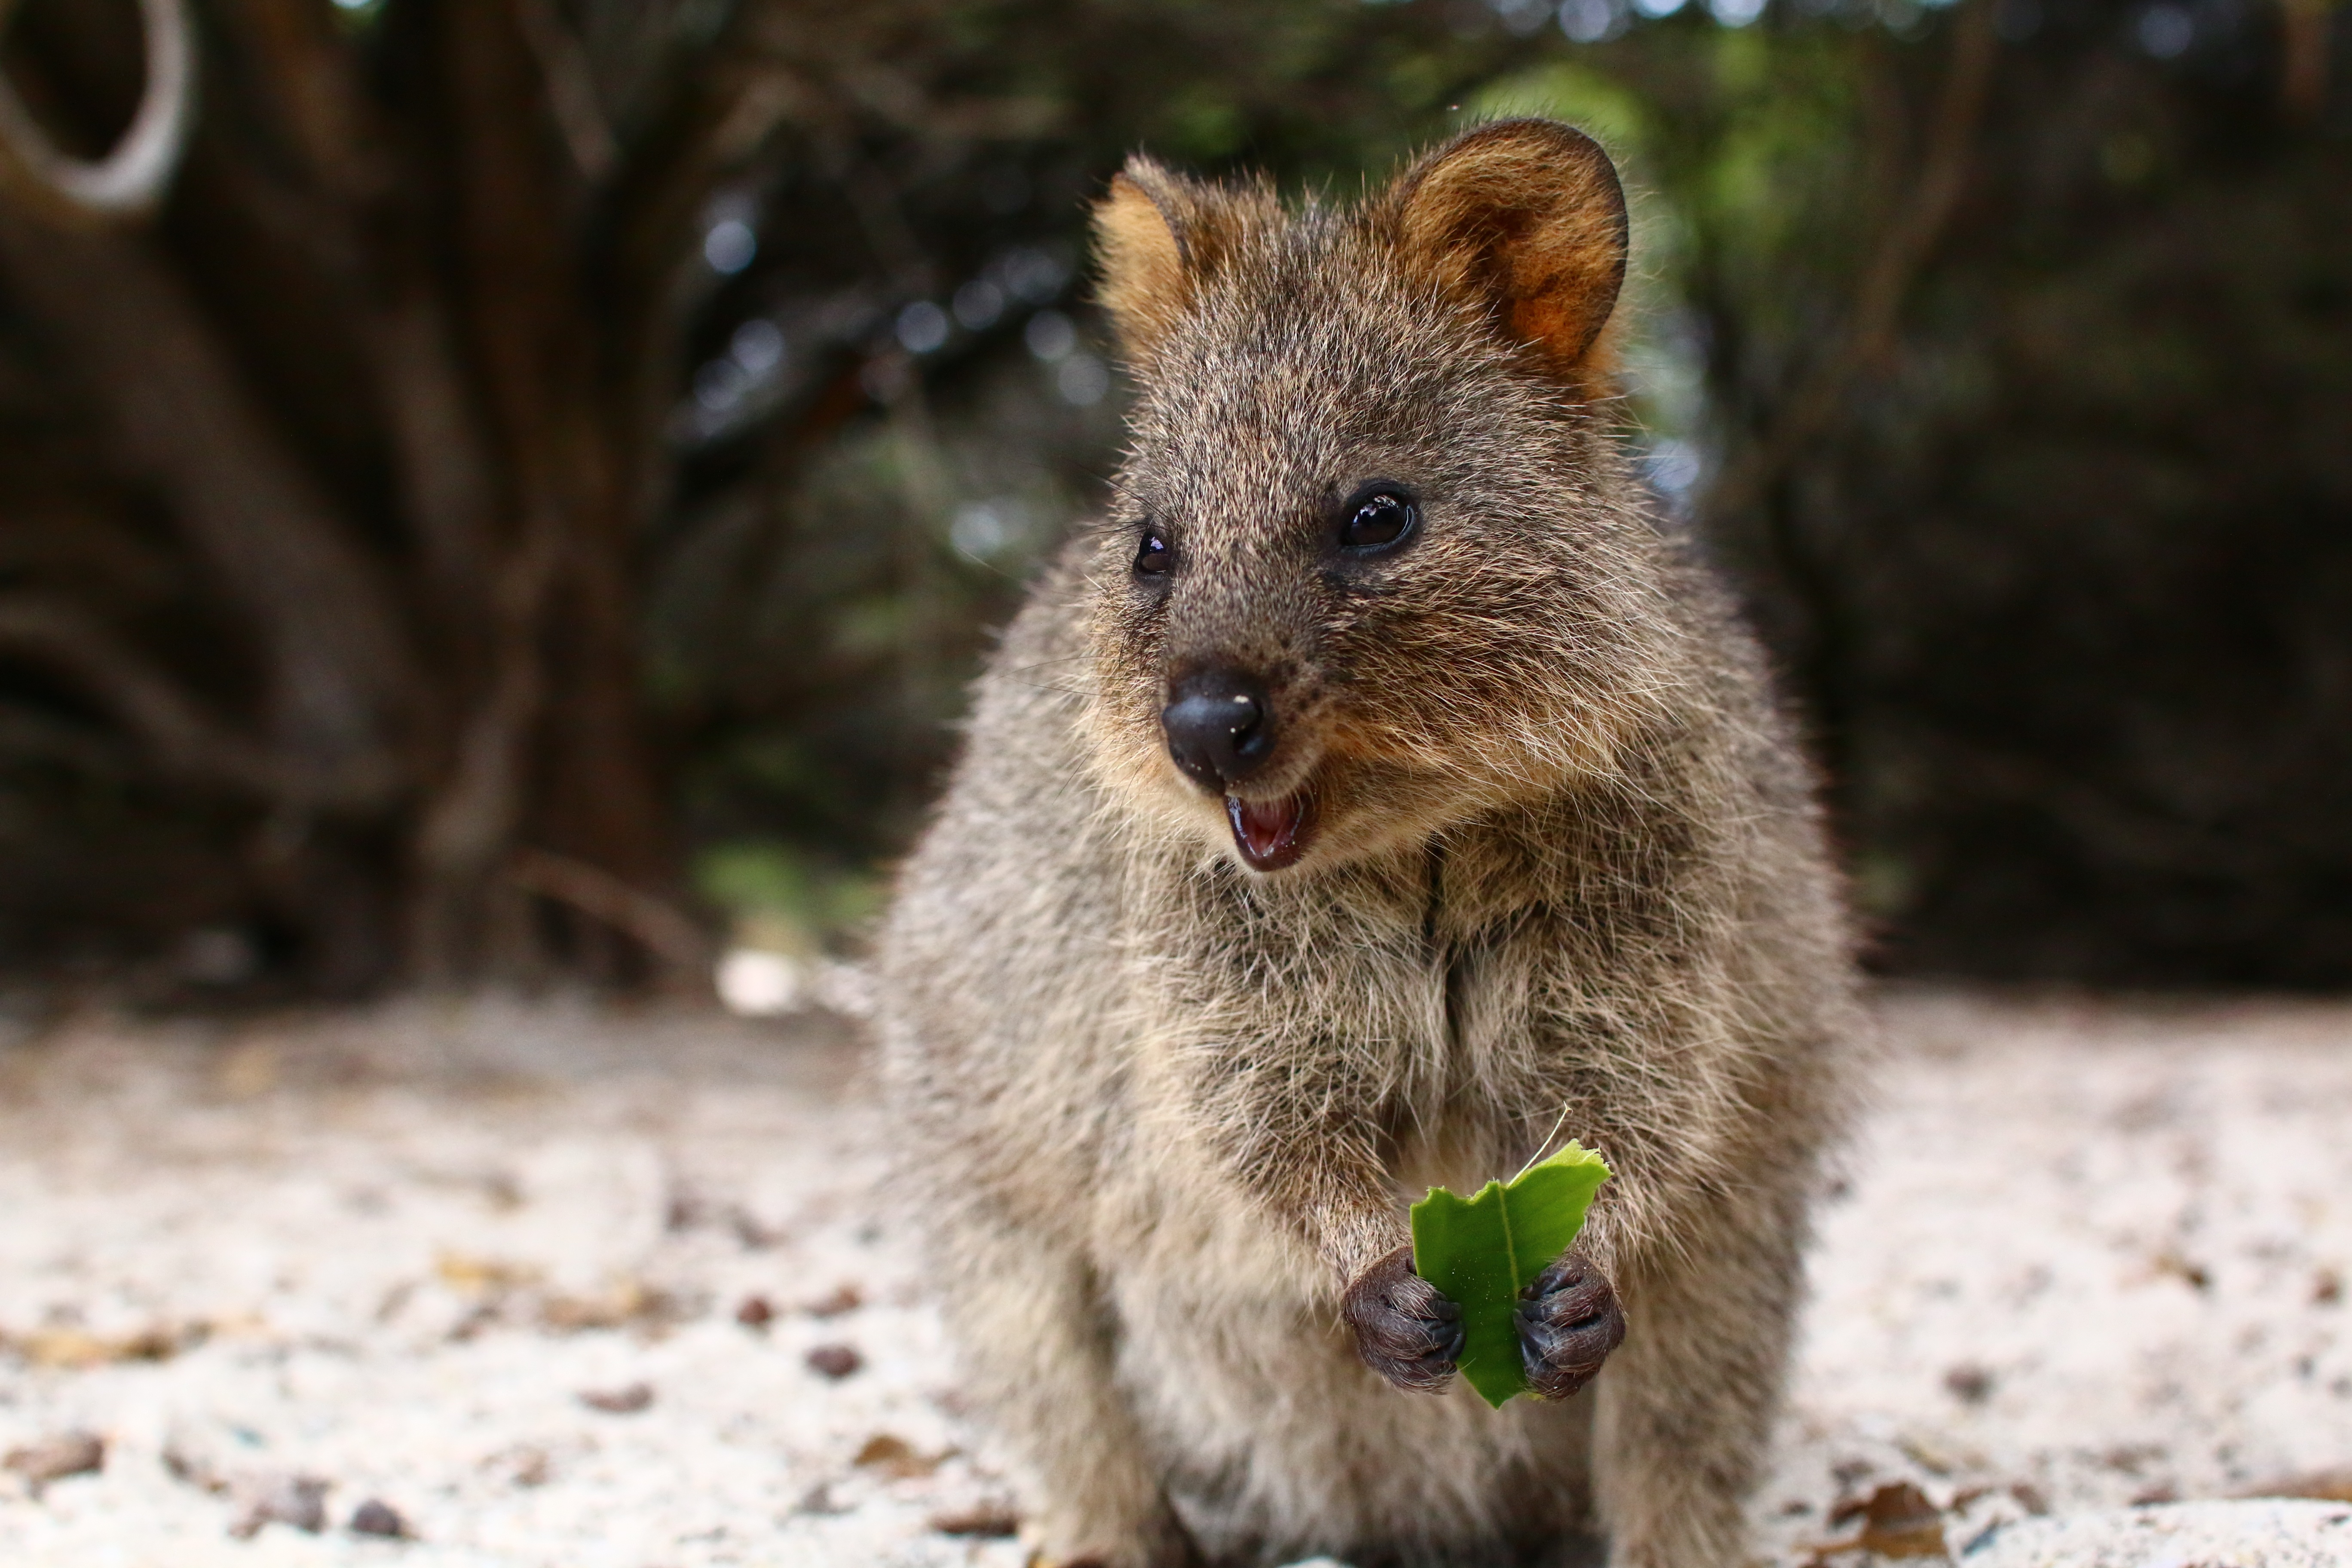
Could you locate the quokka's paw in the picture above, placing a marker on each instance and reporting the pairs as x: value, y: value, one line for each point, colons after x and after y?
x: 1569, y: 1322
x: 1405, y: 1331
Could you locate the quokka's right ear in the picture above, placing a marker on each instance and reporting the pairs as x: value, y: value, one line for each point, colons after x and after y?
x: 1527, y: 217
x: 1156, y: 236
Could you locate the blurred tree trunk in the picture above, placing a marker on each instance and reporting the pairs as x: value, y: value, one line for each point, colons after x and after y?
x: 371, y: 367
x: 557, y: 709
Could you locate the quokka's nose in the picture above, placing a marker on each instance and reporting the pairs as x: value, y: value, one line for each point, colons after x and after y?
x: 1220, y: 727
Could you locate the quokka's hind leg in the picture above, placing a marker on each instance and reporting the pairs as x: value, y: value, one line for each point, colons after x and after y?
x: 1036, y: 1351
x: 1683, y: 1428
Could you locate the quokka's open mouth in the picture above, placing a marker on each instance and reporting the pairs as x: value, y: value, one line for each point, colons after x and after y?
x: 1271, y: 834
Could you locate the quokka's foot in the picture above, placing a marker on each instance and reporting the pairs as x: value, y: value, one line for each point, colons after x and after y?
x: 1405, y: 1331
x: 1163, y: 1544
x: 1569, y: 1322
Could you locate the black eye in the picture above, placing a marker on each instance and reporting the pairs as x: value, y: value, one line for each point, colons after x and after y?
x: 1152, y: 557
x: 1377, y: 518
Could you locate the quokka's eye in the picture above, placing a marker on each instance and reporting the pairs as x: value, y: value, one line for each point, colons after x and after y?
x: 1377, y: 518
x: 1152, y: 557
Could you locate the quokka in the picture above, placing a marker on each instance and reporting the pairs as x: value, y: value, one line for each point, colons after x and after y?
x: 1377, y: 789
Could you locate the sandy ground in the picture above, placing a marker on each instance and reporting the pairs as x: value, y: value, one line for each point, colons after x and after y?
x: 556, y: 1287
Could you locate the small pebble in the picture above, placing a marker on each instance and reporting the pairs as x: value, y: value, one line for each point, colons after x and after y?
x: 279, y: 1498
x: 376, y: 1518
x: 819, y: 1500
x: 755, y: 1313
x: 626, y: 1401
x: 1968, y: 1383
x: 520, y: 1465
x: 836, y: 1361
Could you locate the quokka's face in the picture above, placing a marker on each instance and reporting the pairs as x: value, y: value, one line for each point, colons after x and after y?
x: 1369, y: 573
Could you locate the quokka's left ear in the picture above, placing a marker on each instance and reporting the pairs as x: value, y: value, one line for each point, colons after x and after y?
x: 1526, y: 217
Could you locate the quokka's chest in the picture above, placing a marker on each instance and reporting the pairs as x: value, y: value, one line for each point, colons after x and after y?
x: 1383, y: 1006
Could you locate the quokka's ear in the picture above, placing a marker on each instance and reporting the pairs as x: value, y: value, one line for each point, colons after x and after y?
x: 1528, y: 216
x: 1156, y: 235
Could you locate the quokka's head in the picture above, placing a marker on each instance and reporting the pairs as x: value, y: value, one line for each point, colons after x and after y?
x: 1375, y: 566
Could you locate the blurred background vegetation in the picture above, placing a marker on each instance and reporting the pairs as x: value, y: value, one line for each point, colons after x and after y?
x: 512, y: 489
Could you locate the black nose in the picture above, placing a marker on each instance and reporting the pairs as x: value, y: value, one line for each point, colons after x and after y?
x: 1220, y: 727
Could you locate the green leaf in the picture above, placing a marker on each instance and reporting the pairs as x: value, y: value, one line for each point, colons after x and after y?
x: 1483, y: 1251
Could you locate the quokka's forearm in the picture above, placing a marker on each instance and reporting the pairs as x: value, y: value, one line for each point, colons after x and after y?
x: 1326, y: 1184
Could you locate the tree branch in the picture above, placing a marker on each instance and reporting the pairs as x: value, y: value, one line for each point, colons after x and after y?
x: 182, y: 738
x: 571, y: 82
x: 132, y: 179
x: 351, y: 218
x: 304, y: 73
x: 342, y: 678
x: 2303, y: 80
x: 660, y: 925
x: 1869, y: 338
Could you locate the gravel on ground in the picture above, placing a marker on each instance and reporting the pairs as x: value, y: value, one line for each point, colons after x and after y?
x: 505, y: 1284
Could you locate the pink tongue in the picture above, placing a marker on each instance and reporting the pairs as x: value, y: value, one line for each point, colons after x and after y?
x: 1267, y: 831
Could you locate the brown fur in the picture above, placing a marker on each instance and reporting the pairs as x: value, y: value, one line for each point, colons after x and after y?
x: 1565, y: 872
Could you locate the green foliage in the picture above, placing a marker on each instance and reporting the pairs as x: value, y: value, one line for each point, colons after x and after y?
x: 2059, y: 585
x: 779, y: 898
x: 1481, y: 1252
x: 1603, y: 107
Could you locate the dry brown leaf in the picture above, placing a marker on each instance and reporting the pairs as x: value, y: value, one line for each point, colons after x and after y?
x: 626, y: 1302
x: 1897, y: 1520
x: 894, y: 1456
x: 987, y: 1518
x: 2319, y: 1486
x: 55, y: 1458
x: 77, y: 1348
x: 482, y: 1276
x: 840, y: 1299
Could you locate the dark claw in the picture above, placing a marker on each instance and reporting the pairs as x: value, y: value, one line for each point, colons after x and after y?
x: 1568, y: 1322
x: 1449, y: 1313
x: 1405, y: 1331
